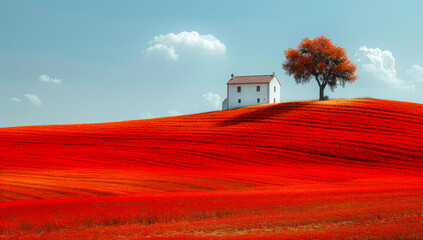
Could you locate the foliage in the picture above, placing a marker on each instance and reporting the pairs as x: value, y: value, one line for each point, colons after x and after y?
x: 322, y: 60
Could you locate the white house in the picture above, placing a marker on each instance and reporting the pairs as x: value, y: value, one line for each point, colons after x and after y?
x: 245, y: 91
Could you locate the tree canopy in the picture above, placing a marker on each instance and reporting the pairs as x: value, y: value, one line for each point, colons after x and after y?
x: 322, y: 60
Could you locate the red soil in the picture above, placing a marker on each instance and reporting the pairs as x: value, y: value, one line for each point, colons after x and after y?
x: 331, y: 169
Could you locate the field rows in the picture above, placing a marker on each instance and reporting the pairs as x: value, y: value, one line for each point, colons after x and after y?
x: 263, y: 135
x: 308, y: 208
x: 334, y: 169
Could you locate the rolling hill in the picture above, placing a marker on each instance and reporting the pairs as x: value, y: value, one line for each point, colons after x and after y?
x: 330, y: 169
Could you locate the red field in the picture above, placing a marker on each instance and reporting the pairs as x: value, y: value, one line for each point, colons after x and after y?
x: 338, y: 169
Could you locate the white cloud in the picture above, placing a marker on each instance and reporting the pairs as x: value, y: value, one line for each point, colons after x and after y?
x: 146, y: 115
x: 185, y: 42
x: 213, y: 98
x: 416, y: 72
x: 15, y: 99
x: 173, y: 113
x: 382, y: 65
x: 161, y: 49
x: 45, y: 78
x: 34, y: 99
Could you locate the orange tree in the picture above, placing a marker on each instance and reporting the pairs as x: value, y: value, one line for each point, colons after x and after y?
x: 321, y: 59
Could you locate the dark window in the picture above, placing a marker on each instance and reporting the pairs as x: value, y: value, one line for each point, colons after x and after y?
x: 274, y: 89
x: 238, y: 89
x: 239, y: 100
x: 258, y: 88
x: 258, y: 100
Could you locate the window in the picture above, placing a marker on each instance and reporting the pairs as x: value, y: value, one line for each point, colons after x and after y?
x: 274, y: 89
x: 258, y: 100
x: 238, y: 89
x: 239, y: 100
x: 258, y: 88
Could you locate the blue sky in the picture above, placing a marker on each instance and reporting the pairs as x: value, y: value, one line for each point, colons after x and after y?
x: 67, y: 62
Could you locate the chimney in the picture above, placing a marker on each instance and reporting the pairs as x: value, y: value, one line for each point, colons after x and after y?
x: 232, y: 76
x: 273, y: 73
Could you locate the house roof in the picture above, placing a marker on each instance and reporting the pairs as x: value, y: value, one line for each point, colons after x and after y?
x: 254, y: 79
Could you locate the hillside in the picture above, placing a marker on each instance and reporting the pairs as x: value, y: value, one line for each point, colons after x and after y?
x: 335, y: 132
x: 330, y: 169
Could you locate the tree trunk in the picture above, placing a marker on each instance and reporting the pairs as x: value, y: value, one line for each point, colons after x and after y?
x: 322, y: 95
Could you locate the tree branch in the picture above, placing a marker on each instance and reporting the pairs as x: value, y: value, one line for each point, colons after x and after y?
x: 317, y: 79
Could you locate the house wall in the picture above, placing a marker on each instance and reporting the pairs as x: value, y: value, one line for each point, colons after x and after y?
x: 248, y: 95
x: 272, y: 94
x: 225, y: 104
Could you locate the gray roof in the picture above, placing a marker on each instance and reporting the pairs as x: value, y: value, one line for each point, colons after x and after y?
x: 255, y: 79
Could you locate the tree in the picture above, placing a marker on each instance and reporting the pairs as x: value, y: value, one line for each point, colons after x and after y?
x: 321, y: 59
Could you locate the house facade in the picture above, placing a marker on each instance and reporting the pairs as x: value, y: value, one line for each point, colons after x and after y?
x: 243, y: 91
